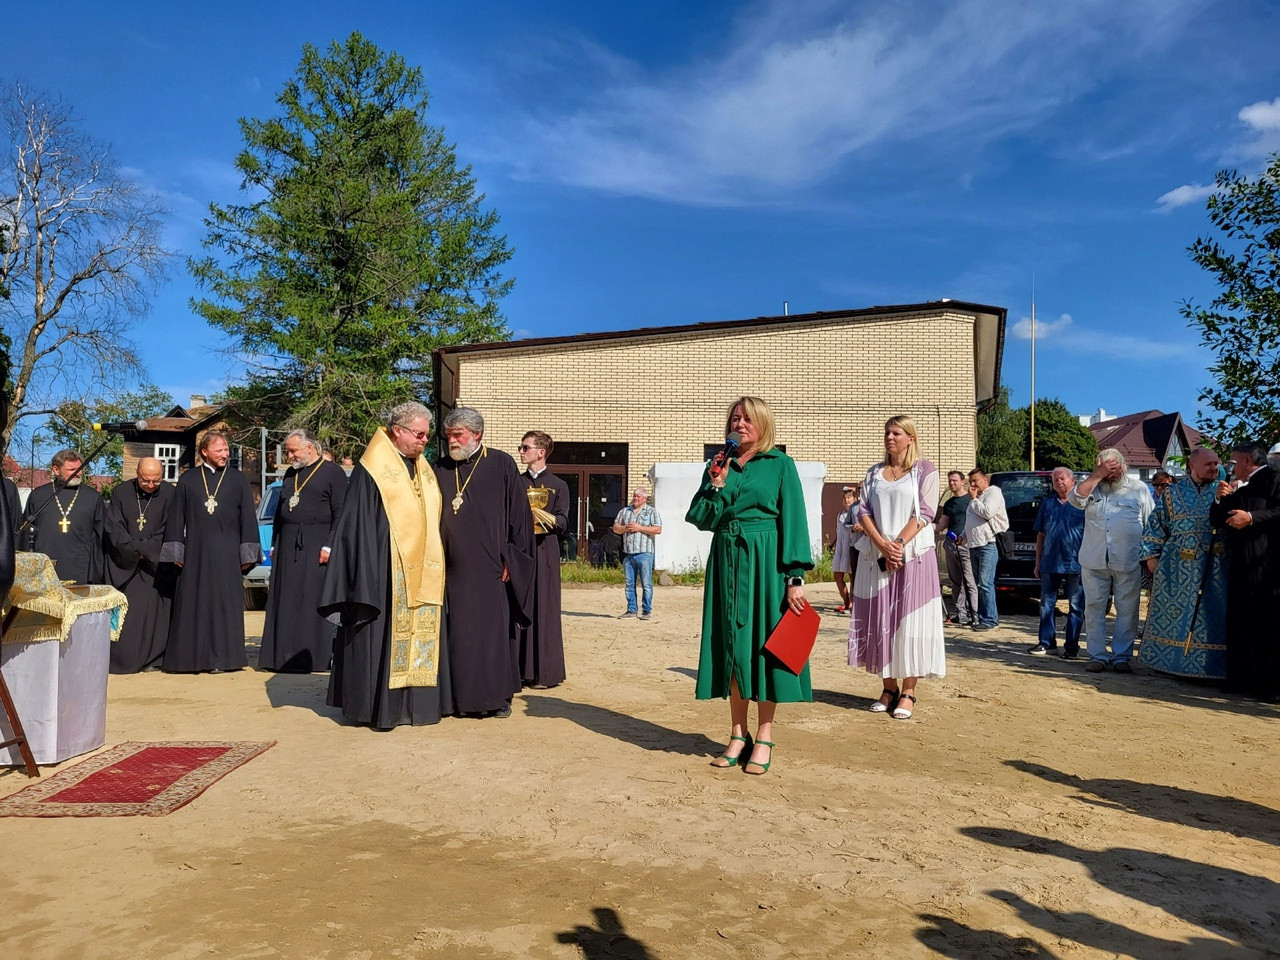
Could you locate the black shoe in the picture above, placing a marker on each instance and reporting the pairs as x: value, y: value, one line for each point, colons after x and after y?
x: 1122, y: 666
x: 1039, y: 651
x: 502, y: 712
x: 1071, y: 655
x: 979, y: 627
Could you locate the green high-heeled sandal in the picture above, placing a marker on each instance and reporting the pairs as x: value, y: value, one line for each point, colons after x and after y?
x: 733, y: 761
x: 764, y: 767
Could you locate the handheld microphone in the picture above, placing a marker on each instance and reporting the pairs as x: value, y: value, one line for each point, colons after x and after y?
x: 124, y: 426
x: 720, y: 463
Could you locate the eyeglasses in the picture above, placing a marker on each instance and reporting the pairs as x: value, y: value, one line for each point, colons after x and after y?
x: 526, y: 447
x: 417, y: 435
x: 1161, y: 486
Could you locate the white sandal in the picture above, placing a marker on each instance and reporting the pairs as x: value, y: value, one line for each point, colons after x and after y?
x: 904, y: 713
x: 881, y: 707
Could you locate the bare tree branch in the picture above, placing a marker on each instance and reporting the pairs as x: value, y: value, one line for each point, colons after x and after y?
x: 83, y: 255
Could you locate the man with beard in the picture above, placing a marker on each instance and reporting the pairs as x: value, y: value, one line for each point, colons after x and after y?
x: 134, y: 535
x: 64, y: 519
x: 384, y: 583
x: 1115, y: 508
x: 541, y: 642
x: 296, y: 639
x: 1249, y: 507
x: 1185, y: 554
x: 488, y: 547
x: 211, y: 534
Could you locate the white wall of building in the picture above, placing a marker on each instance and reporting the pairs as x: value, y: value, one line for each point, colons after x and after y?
x: 681, y: 546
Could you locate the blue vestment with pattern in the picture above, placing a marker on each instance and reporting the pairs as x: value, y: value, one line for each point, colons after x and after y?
x: 1186, y: 621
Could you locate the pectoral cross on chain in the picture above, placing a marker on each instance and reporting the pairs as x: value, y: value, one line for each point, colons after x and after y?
x: 142, y: 521
x: 65, y: 524
x: 211, y: 505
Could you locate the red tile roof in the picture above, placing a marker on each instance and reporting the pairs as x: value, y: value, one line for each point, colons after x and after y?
x: 1145, y: 439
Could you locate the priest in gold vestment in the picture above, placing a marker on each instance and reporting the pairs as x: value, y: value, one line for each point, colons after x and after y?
x: 384, y: 587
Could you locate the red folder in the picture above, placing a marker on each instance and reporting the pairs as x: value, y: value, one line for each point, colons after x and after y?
x: 792, y: 639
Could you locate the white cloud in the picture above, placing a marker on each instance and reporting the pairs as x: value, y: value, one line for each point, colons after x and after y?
x: 1044, y: 328
x: 1262, y: 120
x: 1260, y: 139
x: 1183, y: 195
x: 1065, y: 336
x: 795, y: 95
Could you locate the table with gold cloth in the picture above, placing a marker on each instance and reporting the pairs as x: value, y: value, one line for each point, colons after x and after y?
x: 55, y: 657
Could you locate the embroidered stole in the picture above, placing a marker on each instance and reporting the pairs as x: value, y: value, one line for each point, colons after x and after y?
x: 417, y: 562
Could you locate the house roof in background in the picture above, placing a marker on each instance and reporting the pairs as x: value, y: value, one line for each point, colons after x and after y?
x: 1145, y: 438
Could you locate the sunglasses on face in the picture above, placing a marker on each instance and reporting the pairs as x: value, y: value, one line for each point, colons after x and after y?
x: 423, y: 435
x: 526, y: 447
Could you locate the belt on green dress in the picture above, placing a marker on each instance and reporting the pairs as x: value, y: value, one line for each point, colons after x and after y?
x: 734, y: 533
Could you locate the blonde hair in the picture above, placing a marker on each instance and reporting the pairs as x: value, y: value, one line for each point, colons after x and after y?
x: 758, y: 412
x: 909, y: 428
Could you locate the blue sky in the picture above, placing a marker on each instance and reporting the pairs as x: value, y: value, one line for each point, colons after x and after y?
x: 676, y: 162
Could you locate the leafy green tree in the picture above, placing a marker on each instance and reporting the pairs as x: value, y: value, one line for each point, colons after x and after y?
x: 1060, y: 439
x: 361, y: 245
x: 1242, y: 324
x: 72, y: 426
x: 1003, y: 439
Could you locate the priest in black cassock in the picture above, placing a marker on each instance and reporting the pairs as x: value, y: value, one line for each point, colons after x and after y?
x: 134, y: 534
x: 541, y: 641
x: 296, y: 639
x: 487, y: 530
x: 63, y: 520
x: 384, y: 583
x: 1250, y: 508
x: 211, y: 533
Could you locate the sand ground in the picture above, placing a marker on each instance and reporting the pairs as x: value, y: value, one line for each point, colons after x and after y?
x: 1029, y: 810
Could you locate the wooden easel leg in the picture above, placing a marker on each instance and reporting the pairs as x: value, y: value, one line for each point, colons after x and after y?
x: 10, y: 711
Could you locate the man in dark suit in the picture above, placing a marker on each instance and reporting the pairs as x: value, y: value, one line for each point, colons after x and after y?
x: 1249, y: 507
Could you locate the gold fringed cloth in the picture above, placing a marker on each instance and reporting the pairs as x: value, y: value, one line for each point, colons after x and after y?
x: 417, y: 562
x: 47, y: 609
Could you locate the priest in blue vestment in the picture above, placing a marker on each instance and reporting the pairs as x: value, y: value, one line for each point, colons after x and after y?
x: 1187, y: 618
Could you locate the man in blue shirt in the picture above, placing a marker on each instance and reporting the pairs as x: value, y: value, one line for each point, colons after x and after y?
x: 638, y: 524
x: 1059, y: 529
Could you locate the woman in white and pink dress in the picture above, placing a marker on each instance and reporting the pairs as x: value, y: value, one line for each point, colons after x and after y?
x: 895, y: 629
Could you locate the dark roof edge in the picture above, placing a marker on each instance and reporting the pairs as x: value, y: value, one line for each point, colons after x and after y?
x: 999, y: 312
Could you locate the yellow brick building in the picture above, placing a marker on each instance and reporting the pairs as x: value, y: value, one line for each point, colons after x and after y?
x: 617, y: 403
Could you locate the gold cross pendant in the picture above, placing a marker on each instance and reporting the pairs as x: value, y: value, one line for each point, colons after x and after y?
x: 65, y: 524
x: 457, y: 503
x: 142, y: 521
x: 211, y: 505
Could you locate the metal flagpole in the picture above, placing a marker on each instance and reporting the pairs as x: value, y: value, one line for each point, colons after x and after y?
x: 1033, y: 373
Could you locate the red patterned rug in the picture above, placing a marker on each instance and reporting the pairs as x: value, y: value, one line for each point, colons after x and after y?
x: 132, y: 780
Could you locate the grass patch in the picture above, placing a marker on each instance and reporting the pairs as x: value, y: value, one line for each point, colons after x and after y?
x: 579, y: 571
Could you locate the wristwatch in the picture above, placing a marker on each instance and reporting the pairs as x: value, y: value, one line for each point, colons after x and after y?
x: 795, y: 581
x: 899, y: 540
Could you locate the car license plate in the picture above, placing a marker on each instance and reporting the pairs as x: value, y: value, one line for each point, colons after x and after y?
x: 1024, y: 547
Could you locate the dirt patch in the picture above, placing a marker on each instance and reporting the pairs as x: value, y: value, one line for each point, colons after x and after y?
x: 1030, y: 810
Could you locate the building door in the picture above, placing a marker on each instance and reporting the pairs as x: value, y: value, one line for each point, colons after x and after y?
x: 596, y: 474
x: 590, y: 534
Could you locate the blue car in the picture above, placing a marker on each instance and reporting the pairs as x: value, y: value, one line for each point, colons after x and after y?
x: 258, y: 580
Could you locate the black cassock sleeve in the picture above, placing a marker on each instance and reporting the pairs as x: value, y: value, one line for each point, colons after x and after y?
x: 355, y: 579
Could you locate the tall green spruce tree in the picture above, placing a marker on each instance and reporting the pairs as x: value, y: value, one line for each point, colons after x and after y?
x: 1242, y: 324
x: 361, y: 245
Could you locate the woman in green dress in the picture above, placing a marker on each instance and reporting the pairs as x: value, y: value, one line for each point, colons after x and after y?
x: 755, y: 573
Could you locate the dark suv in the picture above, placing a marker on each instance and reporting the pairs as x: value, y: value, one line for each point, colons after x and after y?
x: 1023, y: 492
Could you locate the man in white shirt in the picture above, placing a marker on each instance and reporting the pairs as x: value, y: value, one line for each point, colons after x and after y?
x: 985, y: 518
x: 1115, y: 508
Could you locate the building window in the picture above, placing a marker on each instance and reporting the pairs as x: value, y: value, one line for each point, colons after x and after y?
x: 237, y: 456
x: 168, y: 454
